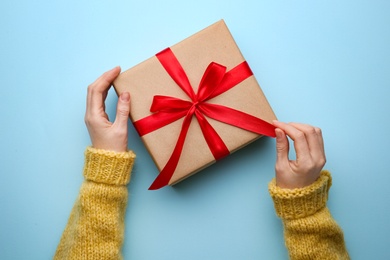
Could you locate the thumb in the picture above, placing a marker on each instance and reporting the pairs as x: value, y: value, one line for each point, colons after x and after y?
x: 282, y: 145
x: 122, y: 110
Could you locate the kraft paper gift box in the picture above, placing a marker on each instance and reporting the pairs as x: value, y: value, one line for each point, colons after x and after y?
x: 159, y: 76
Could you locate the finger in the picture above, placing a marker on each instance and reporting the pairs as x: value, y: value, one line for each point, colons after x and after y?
x: 321, y: 141
x: 282, y: 146
x: 122, y: 111
x: 321, y: 138
x: 314, y: 139
x: 300, y: 143
x: 97, y: 91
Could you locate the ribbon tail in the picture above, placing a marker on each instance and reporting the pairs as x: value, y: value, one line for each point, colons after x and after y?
x: 239, y: 119
x: 167, y: 172
x: 214, y: 141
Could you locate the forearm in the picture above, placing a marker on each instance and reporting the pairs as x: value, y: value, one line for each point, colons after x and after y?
x: 96, y: 225
x: 315, y: 237
x: 310, y: 231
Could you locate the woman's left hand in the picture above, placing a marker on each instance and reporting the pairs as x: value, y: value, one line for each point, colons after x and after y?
x: 103, y: 133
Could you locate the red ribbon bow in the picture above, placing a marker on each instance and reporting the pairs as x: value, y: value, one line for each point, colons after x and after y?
x: 215, y: 81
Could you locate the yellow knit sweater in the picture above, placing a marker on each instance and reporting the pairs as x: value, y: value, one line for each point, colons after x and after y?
x: 95, y: 228
x: 310, y: 232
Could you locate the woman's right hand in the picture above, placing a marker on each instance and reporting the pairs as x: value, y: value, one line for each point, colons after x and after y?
x: 310, y: 155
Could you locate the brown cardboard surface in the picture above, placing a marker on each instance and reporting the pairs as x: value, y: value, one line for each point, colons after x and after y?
x: 147, y: 79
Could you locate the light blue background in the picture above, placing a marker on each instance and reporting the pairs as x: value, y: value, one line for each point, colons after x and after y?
x: 324, y: 63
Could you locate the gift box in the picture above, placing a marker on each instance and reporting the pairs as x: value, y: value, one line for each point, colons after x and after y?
x: 194, y: 103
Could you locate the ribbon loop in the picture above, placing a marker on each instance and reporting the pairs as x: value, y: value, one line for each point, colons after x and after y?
x: 232, y: 78
x: 165, y: 103
x: 212, y: 77
x: 156, y: 121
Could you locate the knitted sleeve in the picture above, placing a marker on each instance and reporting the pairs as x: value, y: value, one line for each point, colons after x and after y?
x: 310, y: 231
x: 95, y: 228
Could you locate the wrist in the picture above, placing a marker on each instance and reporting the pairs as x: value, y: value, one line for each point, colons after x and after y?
x: 110, y: 145
x: 296, y: 180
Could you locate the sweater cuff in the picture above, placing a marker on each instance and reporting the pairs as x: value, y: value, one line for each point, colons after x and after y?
x: 302, y: 202
x: 108, y: 167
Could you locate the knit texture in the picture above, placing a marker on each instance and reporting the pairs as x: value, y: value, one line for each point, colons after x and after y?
x: 310, y: 232
x: 108, y: 167
x: 95, y: 228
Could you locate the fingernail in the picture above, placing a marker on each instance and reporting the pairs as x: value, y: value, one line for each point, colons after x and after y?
x: 125, y: 96
x: 278, y: 133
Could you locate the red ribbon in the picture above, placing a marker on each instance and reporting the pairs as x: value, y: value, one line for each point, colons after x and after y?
x: 215, y: 81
